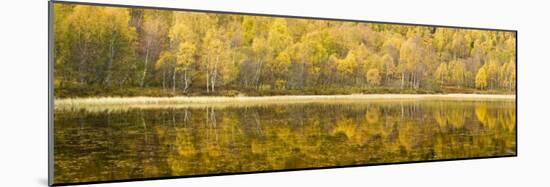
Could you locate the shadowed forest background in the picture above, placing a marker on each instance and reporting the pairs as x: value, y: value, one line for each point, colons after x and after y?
x: 106, y: 51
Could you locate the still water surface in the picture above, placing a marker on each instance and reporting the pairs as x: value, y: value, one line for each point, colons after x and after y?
x: 163, y: 142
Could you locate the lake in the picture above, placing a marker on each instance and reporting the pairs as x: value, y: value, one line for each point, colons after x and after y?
x: 150, y: 142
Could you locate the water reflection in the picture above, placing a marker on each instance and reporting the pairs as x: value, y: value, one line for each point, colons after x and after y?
x: 143, y: 143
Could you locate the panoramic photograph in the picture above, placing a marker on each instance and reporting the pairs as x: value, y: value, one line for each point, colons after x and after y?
x: 142, y: 93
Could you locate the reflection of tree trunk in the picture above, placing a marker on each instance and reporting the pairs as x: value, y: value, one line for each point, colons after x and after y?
x: 144, y: 126
x: 213, y: 118
x: 174, y: 118
x: 402, y: 111
x: 214, y: 122
x: 385, y: 118
x: 206, y: 116
x: 185, y: 117
x: 258, y: 123
x: 206, y: 122
x: 232, y: 135
x: 81, y: 127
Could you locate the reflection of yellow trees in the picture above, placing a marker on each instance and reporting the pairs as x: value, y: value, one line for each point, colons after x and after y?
x: 439, y: 147
x: 409, y: 134
x: 256, y: 146
x: 441, y: 118
x: 373, y: 125
x: 372, y: 115
x: 506, y: 118
x: 510, y: 119
x: 456, y: 117
x: 358, y: 132
x: 297, y: 136
x: 277, y: 150
x: 184, y: 145
x: 481, y: 112
x: 447, y: 114
x: 491, y: 119
x: 180, y: 161
x: 345, y: 126
x: 232, y: 127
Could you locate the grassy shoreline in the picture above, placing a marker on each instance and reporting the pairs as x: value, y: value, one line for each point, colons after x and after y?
x: 101, y: 103
x: 91, y: 91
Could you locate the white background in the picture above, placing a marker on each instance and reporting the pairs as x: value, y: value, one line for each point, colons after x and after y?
x: 23, y: 92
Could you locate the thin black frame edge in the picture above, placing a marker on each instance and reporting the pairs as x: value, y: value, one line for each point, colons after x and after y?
x: 517, y: 96
x: 50, y: 5
x: 51, y: 93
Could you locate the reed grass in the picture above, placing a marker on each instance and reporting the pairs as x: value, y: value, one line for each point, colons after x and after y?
x: 122, y: 103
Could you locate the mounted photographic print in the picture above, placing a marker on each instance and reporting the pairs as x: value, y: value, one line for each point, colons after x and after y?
x: 140, y: 93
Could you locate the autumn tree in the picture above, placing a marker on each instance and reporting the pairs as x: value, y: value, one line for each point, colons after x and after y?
x: 481, y: 78
x: 441, y: 74
x: 412, y: 53
x: 123, y: 51
x: 95, y: 31
x: 260, y: 51
x: 184, y: 41
x: 457, y: 72
x: 347, y: 65
x: 373, y: 77
x: 278, y: 40
x: 154, y: 27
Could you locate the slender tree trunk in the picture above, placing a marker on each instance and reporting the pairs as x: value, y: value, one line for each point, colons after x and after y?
x: 81, y: 70
x: 416, y: 80
x: 185, y: 80
x: 213, y: 81
x: 413, y: 80
x: 163, y: 79
x: 207, y: 78
x: 83, y: 46
x: 402, y: 79
x: 215, y: 74
x: 258, y: 74
x: 174, y: 81
x: 145, y: 68
x: 123, y: 80
x: 110, y: 62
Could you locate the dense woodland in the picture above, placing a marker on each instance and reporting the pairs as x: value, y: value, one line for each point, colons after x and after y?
x: 106, y: 51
